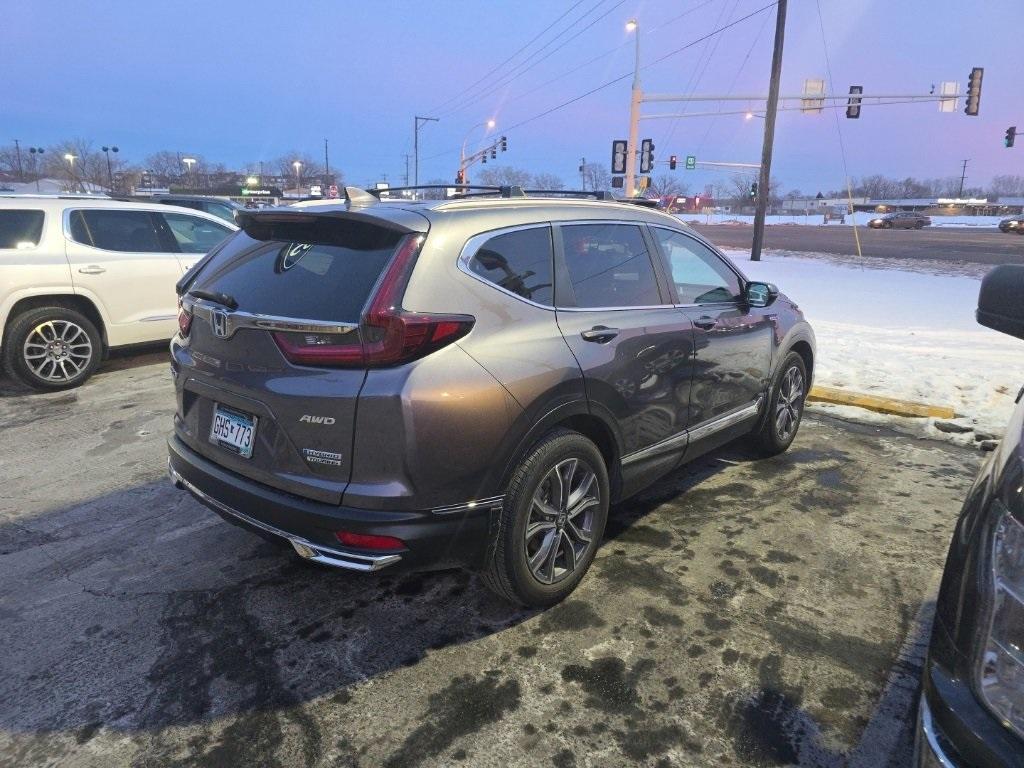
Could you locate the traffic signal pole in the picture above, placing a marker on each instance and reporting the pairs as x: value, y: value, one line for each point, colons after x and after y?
x: 633, y: 142
x: 764, y: 176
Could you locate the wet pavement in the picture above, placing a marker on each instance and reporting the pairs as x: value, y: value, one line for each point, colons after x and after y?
x: 741, y: 612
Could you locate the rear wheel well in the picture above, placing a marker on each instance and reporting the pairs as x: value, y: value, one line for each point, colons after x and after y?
x: 803, y: 349
x: 598, y: 433
x: 68, y: 301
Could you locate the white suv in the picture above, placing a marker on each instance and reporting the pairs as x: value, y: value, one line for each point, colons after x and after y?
x: 81, y: 275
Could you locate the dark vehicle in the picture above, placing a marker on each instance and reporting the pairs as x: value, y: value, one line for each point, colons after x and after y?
x: 972, y: 705
x: 1013, y: 224
x: 468, y: 382
x: 218, y: 206
x: 900, y: 220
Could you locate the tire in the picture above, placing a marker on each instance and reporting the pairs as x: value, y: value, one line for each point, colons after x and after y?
x: 517, y: 569
x: 769, y: 438
x: 69, y: 342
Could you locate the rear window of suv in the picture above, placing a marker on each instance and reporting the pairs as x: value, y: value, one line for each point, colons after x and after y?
x: 326, y: 273
x: 20, y: 228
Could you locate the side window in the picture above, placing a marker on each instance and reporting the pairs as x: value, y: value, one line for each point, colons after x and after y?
x: 20, y: 228
x: 609, y: 266
x: 220, y: 210
x: 127, y: 231
x: 519, y: 262
x: 699, y: 274
x: 194, y: 234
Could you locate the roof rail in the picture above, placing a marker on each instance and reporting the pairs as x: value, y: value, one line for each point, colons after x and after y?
x: 597, y: 194
x: 461, y: 190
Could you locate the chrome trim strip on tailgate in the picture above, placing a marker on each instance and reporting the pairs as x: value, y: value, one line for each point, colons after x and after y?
x: 306, y: 549
x: 233, y: 320
x: 491, y: 502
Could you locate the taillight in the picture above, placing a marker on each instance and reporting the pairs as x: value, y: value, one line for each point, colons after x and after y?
x: 388, y: 335
x: 369, y: 541
x: 184, y: 319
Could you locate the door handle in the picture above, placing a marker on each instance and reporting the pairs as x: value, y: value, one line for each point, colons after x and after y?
x: 705, y: 323
x: 92, y: 269
x: 600, y: 334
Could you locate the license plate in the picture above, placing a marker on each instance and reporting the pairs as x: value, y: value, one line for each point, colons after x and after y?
x: 233, y: 430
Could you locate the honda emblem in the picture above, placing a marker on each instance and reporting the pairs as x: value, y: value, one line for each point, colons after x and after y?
x: 219, y: 323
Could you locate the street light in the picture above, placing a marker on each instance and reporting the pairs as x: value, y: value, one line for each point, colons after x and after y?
x: 189, y: 162
x: 633, y: 26
x: 110, y: 174
x: 71, y: 163
x: 489, y: 125
x: 36, y: 151
x: 298, y: 178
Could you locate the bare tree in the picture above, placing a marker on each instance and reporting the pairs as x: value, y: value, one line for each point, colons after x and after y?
x: 739, y: 188
x: 505, y: 175
x: 597, y: 177
x: 667, y: 186
x: 1006, y: 185
x: 433, y: 194
x: 309, y: 169
x: 547, y: 181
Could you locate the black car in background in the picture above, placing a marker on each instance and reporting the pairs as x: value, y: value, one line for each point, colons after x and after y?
x: 218, y: 206
x: 972, y: 703
x: 1013, y: 224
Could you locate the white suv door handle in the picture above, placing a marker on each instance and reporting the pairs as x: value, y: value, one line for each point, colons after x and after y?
x: 92, y: 269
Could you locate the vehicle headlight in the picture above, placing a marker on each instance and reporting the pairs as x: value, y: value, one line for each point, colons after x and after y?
x: 1001, y: 663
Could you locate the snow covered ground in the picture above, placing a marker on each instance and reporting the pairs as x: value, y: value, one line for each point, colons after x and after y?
x: 817, y: 219
x: 906, y: 332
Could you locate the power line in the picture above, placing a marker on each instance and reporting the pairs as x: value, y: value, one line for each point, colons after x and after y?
x: 606, y: 53
x: 622, y: 77
x: 506, y: 61
x: 509, y: 77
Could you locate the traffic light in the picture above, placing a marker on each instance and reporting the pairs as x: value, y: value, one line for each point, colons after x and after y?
x: 646, y: 156
x: 1011, y: 134
x: 494, y: 153
x: 460, y: 177
x: 973, y: 100
x: 753, y: 189
x: 853, y: 103
x: 504, y: 143
x: 672, y: 162
x: 484, y: 159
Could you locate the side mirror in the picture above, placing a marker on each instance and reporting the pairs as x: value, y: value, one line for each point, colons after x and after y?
x: 760, y: 294
x: 1001, y: 300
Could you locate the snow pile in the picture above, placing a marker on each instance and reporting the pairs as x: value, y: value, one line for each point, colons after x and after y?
x: 817, y: 219
x: 907, y: 333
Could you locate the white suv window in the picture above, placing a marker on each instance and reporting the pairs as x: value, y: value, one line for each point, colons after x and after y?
x: 126, y: 231
x: 20, y: 228
x: 195, y: 234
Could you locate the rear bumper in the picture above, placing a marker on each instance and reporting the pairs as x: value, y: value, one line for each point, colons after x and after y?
x: 455, y: 536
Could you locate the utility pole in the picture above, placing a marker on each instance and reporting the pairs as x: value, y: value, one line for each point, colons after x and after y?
x: 21, y: 171
x: 327, y: 169
x: 416, y: 145
x: 963, y: 175
x: 407, y: 169
x: 764, y: 178
x: 583, y: 173
x: 632, y: 143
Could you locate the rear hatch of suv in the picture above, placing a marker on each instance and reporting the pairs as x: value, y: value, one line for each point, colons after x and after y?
x: 278, y: 330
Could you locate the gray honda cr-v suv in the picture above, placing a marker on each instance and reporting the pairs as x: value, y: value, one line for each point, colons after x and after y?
x: 468, y: 382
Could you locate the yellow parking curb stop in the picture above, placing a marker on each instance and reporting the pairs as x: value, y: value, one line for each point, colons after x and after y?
x: 879, y: 404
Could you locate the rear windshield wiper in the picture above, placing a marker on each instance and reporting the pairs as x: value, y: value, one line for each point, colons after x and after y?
x: 215, y: 296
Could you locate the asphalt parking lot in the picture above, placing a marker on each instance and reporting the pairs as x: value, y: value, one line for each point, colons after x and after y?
x: 741, y: 612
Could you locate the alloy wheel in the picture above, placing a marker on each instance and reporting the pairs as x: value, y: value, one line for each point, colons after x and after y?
x: 559, y: 528
x: 789, y: 403
x: 57, y: 351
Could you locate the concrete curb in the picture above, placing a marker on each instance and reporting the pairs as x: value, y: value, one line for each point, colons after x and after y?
x: 879, y: 404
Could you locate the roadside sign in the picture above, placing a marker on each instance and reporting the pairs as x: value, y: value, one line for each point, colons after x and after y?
x: 813, y: 87
x: 315, y: 190
x: 691, y: 162
x: 332, y: 191
x: 619, y: 156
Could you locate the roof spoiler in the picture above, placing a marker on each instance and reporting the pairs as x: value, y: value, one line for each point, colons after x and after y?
x: 262, y: 224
